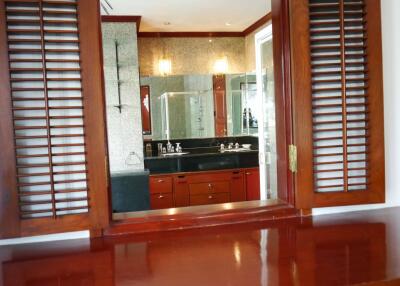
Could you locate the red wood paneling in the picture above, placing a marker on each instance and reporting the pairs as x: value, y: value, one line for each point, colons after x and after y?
x: 146, y: 109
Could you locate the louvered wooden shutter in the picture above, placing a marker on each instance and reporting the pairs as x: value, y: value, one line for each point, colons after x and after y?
x: 55, y: 96
x: 337, y: 69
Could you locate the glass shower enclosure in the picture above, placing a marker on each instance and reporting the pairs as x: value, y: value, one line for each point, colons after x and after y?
x: 187, y: 114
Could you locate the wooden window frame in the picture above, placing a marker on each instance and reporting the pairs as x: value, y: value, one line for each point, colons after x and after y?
x: 244, y: 211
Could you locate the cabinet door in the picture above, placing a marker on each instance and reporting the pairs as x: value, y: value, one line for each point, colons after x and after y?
x: 238, y: 192
x: 53, y: 166
x: 209, y: 199
x: 181, y: 191
x: 161, y: 201
x: 209, y: 188
x: 252, y: 184
x: 160, y: 184
x: 338, y: 102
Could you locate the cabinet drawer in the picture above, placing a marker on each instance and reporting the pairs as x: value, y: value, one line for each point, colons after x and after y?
x: 208, y: 199
x: 207, y: 188
x: 160, y: 185
x: 161, y: 201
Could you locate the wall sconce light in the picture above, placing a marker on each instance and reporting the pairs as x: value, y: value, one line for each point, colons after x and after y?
x: 164, y: 67
x: 221, y: 66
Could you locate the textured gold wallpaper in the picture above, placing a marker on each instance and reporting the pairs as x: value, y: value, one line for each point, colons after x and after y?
x: 191, y: 55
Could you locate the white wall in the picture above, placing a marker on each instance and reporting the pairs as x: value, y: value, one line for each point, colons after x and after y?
x: 391, y: 71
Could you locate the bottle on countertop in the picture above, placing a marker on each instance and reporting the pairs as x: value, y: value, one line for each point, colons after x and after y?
x: 149, y: 150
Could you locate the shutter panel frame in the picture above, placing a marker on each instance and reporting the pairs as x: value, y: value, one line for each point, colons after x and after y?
x: 306, y: 195
x: 94, y: 146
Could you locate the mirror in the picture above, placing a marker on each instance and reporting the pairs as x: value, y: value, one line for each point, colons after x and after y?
x: 187, y: 103
x: 190, y: 115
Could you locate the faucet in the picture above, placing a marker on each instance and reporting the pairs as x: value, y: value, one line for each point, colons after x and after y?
x: 169, y: 147
x: 178, y: 148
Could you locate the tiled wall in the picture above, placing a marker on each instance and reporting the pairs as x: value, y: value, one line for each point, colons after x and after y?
x: 125, y: 128
x: 191, y: 55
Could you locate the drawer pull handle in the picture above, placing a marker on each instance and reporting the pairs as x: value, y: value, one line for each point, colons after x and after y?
x: 160, y: 196
x: 210, y: 186
x: 160, y: 181
x: 210, y: 197
x: 248, y: 173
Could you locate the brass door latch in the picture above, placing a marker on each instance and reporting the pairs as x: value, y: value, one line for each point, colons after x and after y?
x: 293, y: 158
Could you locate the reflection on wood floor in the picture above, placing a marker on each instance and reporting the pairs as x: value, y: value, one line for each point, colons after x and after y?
x: 345, y: 249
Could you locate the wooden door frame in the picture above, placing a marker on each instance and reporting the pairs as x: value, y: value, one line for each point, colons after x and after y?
x: 244, y: 211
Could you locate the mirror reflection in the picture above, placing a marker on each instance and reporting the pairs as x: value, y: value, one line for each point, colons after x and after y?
x: 191, y: 115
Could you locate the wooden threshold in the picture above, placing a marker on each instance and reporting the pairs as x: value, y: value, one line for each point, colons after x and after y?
x: 198, y: 217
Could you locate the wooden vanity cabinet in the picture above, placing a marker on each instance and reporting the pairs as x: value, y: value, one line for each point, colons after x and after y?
x: 252, y: 182
x: 199, y: 188
x: 181, y: 191
x: 161, y: 192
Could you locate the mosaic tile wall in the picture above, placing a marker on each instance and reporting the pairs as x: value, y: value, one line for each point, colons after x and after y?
x: 125, y: 128
x: 191, y: 55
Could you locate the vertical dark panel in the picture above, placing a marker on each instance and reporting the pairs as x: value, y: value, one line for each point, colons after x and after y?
x: 220, y: 115
x: 302, y: 103
x: 375, y: 99
x: 146, y: 109
x: 283, y: 99
x: 9, y: 214
x: 94, y: 101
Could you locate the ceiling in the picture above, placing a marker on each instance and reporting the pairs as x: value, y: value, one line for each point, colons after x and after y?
x: 192, y: 15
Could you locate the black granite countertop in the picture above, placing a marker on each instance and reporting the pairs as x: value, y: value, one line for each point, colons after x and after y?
x: 199, y: 152
x: 201, y: 159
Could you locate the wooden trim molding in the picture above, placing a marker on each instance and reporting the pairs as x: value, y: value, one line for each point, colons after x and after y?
x: 189, y: 34
x: 122, y: 19
x: 260, y: 22
x: 198, y: 217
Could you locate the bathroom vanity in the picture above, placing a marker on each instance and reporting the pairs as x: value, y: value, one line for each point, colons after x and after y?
x: 203, y: 175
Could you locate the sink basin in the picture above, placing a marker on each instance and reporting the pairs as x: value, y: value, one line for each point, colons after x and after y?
x: 175, y: 154
x: 235, y: 150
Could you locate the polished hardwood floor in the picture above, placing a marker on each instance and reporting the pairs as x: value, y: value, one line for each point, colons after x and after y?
x: 361, y: 248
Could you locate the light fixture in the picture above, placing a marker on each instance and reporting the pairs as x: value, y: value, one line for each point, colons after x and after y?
x: 228, y: 24
x: 221, y: 66
x: 164, y: 66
